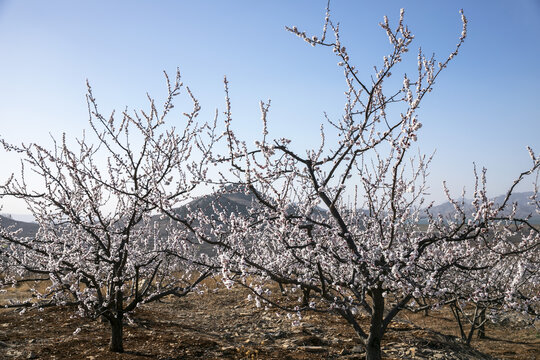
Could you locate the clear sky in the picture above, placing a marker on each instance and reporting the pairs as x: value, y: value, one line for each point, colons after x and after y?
x: 485, y: 107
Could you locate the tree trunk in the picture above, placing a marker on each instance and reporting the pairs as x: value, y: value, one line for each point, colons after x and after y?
x: 455, y: 312
x: 373, y: 346
x: 482, y: 328
x: 305, y: 297
x: 426, y: 310
x: 117, y: 318
x: 282, y: 289
x: 117, y: 332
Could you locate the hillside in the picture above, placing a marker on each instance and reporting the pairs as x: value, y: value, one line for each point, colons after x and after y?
x: 28, y: 228
x: 524, y: 209
x: 239, y: 202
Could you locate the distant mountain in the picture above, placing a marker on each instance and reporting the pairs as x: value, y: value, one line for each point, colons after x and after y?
x: 239, y: 202
x: 20, y: 217
x: 235, y: 200
x: 28, y: 228
x: 524, y: 209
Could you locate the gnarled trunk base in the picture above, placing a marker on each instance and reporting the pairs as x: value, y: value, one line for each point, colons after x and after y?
x: 373, y: 348
x: 117, y: 333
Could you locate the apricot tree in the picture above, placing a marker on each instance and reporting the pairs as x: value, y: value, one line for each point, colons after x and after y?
x: 339, y: 222
x: 101, y: 245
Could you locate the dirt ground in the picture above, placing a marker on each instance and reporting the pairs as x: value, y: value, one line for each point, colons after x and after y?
x: 222, y: 324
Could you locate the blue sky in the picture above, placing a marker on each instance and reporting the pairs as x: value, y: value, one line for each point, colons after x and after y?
x: 485, y: 107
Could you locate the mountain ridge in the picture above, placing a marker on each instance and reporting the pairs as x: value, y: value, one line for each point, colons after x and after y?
x: 524, y: 209
x: 239, y: 202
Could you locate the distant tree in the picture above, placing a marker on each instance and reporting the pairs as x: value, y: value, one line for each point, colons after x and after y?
x: 339, y: 222
x: 497, y: 273
x: 101, y: 246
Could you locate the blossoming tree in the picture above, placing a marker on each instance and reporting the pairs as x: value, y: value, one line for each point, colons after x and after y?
x: 498, y: 271
x: 340, y: 222
x: 100, y: 246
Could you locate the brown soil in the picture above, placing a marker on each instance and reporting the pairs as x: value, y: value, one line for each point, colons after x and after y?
x: 223, y: 325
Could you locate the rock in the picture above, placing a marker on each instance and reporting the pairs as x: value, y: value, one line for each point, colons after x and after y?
x: 267, y: 341
x: 228, y: 350
x: 287, y: 345
x: 276, y: 335
x: 310, y: 329
x: 14, y: 353
x: 313, y: 349
x: 411, y: 351
x: 310, y: 341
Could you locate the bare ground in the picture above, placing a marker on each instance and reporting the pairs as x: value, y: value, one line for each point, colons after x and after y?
x: 221, y: 324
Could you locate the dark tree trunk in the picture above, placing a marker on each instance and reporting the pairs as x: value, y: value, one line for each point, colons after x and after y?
x: 117, y: 334
x: 475, y: 324
x: 282, y: 289
x: 455, y: 312
x: 426, y: 310
x: 373, y: 345
x: 305, y: 297
x: 482, y: 328
x: 373, y: 351
x: 117, y: 323
x: 372, y: 341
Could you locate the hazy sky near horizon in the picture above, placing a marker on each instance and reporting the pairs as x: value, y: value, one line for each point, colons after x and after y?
x: 485, y: 107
